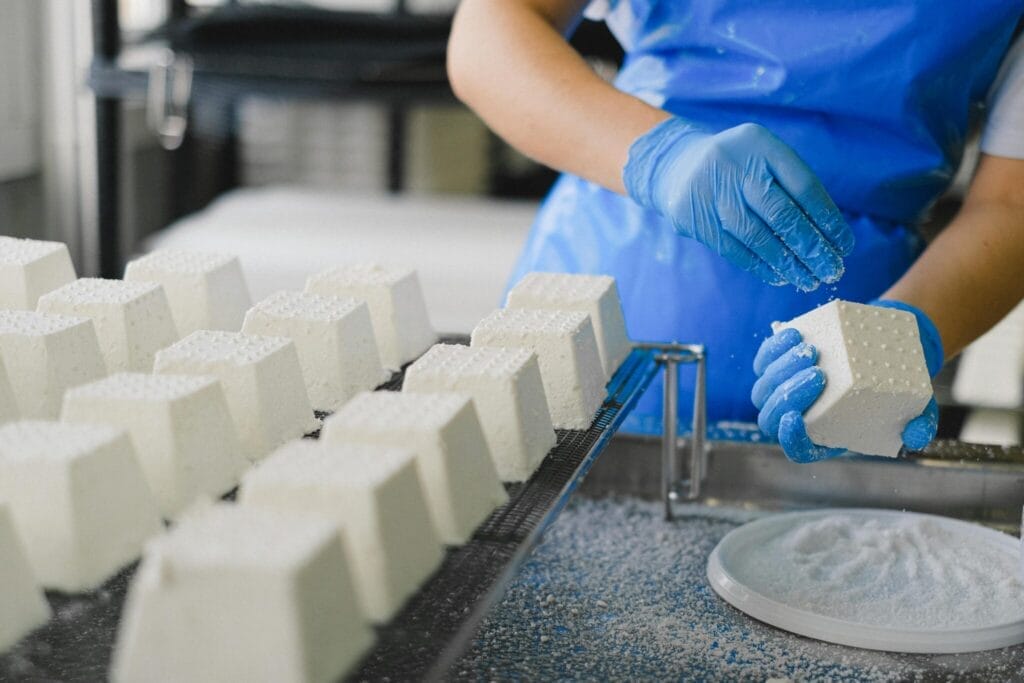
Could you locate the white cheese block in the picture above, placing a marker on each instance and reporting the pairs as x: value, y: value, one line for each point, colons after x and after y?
x: 596, y: 295
x: 239, y: 593
x: 508, y: 393
x: 334, y: 339
x: 374, y: 494
x: 31, y: 268
x: 23, y: 607
x: 566, y: 348
x: 45, y: 355
x: 876, y: 376
x: 132, y: 319
x: 205, y: 291
x: 78, y: 498
x: 452, y: 458
x: 8, y: 403
x: 262, y: 381
x: 397, y: 307
x: 181, y: 428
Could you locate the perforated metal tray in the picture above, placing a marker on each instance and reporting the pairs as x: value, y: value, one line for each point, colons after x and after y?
x: 436, y: 624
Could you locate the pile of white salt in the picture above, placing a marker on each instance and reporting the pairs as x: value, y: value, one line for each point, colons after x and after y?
x: 894, y: 572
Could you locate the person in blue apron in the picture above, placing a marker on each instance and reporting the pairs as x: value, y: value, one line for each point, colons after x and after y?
x: 753, y: 160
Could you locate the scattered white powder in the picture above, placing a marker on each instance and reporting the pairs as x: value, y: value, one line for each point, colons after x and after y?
x: 660, y: 620
x: 898, y: 572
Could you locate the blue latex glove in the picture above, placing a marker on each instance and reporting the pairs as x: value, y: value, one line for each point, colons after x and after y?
x: 745, y: 194
x: 789, y: 381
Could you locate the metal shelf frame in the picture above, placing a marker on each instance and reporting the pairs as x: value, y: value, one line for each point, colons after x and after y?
x: 112, y: 82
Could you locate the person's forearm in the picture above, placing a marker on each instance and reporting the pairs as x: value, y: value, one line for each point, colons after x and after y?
x: 508, y: 60
x: 973, y: 273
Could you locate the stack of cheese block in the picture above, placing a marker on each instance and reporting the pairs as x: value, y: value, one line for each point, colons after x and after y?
x: 208, y: 390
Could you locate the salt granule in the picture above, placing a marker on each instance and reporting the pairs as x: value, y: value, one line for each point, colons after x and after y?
x: 661, y: 619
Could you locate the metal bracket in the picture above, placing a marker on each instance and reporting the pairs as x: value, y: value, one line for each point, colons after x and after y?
x: 167, y: 98
x: 676, y: 486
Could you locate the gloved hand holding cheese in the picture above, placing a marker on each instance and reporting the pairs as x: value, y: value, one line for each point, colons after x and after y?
x: 849, y: 376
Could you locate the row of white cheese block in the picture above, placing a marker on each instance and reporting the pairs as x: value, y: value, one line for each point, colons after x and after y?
x: 47, y: 356
x: 328, y: 322
x: 332, y: 338
x: 200, y: 291
x: 178, y: 446
x: 336, y: 332
x: 196, y: 291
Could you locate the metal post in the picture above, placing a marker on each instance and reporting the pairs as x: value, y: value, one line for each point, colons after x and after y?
x: 396, y: 147
x: 106, y: 33
x: 397, y: 133
x: 669, y: 449
x: 177, y: 9
x: 670, y: 356
x: 698, y: 454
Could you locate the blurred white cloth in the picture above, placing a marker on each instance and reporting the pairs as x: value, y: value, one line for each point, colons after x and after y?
x: 463, y: 248
x: 990, y: 373
x: 993, y: 427
x: 1004, y: 127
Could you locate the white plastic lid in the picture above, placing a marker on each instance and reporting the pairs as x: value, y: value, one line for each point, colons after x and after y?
x: 739, y: 564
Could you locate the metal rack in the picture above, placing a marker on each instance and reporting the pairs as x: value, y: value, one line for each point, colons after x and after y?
x: 114, y: 79
x: 438, y: 623
x: 395, y: 59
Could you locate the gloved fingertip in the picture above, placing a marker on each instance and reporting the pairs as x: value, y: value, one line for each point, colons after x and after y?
x: 790, y: 426
x: 917, y: 436
x: 811, y: 379
x: 798, y: 393
x: 809, y: 351
x: 787, y: 365
x: 807, y: 286
x: 790, y: 336
x: 836, y: 275
x: 920, y: 431
x: 797, y: 445
x: 773, y: 347
x: 768, y: 275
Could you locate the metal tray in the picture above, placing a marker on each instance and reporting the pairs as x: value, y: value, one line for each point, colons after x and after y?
x: 436, y: 624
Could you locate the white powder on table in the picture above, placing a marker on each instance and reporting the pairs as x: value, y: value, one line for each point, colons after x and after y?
x: 631, y: 602
x: 897, y: 572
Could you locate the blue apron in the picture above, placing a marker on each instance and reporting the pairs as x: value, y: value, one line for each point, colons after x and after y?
x: 873, y: 95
